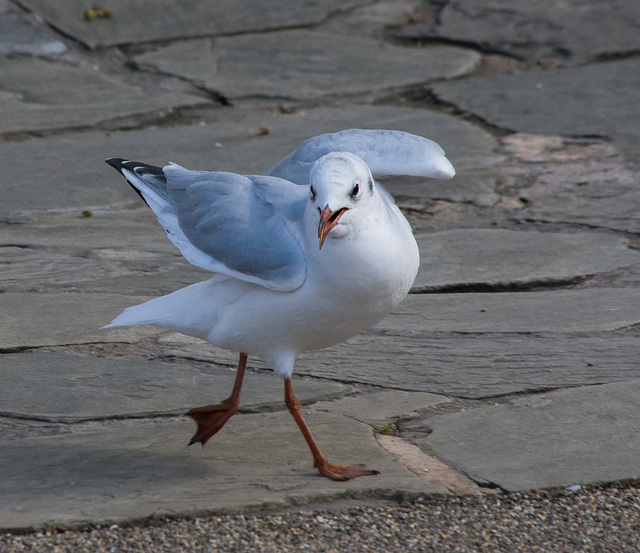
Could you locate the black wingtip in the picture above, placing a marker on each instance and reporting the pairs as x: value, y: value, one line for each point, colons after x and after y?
x: 115, y: 162
x: 118, y: 163
x: 138, y: 167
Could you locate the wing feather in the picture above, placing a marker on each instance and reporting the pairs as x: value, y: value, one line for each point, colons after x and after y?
x: 241, y: 226
x: 387, y: 153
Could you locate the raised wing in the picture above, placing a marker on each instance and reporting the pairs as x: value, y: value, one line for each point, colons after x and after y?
x: 241, y: 226
x: 387, y: 153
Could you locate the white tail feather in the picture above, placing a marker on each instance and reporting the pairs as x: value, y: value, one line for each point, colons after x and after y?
x: 176, y: 311
x: 151, y: 312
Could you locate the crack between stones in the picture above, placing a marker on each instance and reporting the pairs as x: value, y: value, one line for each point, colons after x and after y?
x: 443, y: 200
x: 466, y: 44
x: 168, y: 41
x: 541, y: 391
x: 78, y: 421
x: 338, y: 13
x: 51, y: 26
x: 422, y: 96
x: 487, y: 484
x: 575, y: 223
x: 265, y: 407
x: 454, y: 109
x: 213, y: 95
x: 360, y: 97
x: 483, y: 287
x: 162, y: 117
x: 107, y: 418
x: 613, y: 56
x: 16, y: 349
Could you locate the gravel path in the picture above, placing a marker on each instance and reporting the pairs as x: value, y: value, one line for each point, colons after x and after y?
x: 592, y: 519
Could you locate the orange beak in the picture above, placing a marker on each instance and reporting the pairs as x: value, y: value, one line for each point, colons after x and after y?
x: 328, y: 220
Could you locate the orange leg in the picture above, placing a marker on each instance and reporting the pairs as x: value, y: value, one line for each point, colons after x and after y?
x: 211, y: 418
x: 335, y: 472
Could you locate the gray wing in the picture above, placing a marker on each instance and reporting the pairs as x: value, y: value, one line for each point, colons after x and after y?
x: 241, y: 226
x: 387, y: 153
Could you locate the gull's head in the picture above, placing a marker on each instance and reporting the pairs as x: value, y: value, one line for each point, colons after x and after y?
x: 341, y: 189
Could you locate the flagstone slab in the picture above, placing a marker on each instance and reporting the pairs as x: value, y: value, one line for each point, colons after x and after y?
x: 382, y: 407
x: 127, y: 252
x: 136, y: 469
x: 503, y: 259
x: 72, y: 97
x: 574, y: 30
x: 119, y: 252
x: 374, y: 18
x: 103, y: 231
x: 469, y: 366
x: 562, y: 311
x: 62, y: 387
x: 305, y: 64
x: 577, y: 436
x: 560, y: 102
x: 19, y: 35
x: 500, y: 344
x: 147, y: 20
x: 35, y: 320
x: 599, y: 193
x: 40, y: 175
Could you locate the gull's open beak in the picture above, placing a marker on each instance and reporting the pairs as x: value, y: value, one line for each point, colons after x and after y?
x: 328, y: 220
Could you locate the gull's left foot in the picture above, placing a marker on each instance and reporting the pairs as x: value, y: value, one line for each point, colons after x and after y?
x: 344, y: 472
x: 211, y: 419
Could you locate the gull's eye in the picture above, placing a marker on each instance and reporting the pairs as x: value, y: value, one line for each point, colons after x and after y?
x: 312, y: 194
x: 355, y: 190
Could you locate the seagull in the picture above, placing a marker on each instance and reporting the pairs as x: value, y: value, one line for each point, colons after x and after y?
x: 304, y: 257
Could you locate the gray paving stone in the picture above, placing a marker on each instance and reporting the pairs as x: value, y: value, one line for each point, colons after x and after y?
x: 381, y: 408
x: 503, y: 259
x: 20, y: 36
x: 304, y: 64
x: 561, y: 102
x: 560, y: 312
x: 147, y: 20
x: 104, y: 231
x: 575, y: 30
x: 563, y: 311
x: 599, y: 193
x: 119, y: 270
x: 127, y: 252
x: 375, y: 18
x: 34, y: 320
x: 66, y: 387
x: 49, y: 181
x: 406, y: 352
x: 476, y: 366
x: 119, y: 252
x: 71, y: 98
x: 133, y: 470
x: 583, y: 435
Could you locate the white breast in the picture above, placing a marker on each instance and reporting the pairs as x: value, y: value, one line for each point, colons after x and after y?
x: 360, y: 279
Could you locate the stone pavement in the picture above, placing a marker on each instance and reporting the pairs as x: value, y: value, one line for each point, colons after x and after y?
x: 514, y: 363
